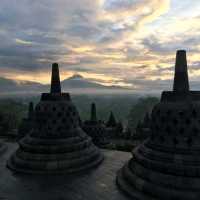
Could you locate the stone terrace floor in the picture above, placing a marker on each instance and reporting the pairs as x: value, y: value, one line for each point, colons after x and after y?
x: 96, y: 184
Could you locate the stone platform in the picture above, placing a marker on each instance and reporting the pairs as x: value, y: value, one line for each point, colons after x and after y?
x: 97, y: 184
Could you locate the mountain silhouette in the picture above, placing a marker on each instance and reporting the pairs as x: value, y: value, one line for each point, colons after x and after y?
x: 78, y: 81
x: 12, y: 86
x: 73, y: 83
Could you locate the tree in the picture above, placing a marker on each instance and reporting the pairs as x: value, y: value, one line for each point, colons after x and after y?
x: 138, y: 111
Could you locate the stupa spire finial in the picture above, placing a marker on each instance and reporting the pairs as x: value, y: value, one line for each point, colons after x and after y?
x: 55, y: 79
x: 93, y: 112
x: 181, y: 83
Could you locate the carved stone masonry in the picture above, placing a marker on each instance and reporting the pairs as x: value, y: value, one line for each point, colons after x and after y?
x: 167, y: 165
x: 56, y: 144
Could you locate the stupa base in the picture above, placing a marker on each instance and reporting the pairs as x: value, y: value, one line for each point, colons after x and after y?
x: 47, y: 156
x: 128, y: 188
x: 15, y: 167
x: 143, y: 184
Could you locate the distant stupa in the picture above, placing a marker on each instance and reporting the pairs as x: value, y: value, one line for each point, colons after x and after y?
x: 167, y: 165
x: 30, y: 110
x: 56, y: 144
x: 27, y: 123
x: 3, y: 145
x: 93, y: 117
x: 96, y: 129
x: 111, y: 121
x: 112, y: 127
x: 143, y: 129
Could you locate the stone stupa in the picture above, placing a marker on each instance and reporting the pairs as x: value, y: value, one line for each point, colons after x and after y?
x: 142, y: 130
x: 96, y: 129
x: 167, y: 165
x: 3, y: 145
x: 56, y: 144
x: 111, y: 126
x: 111, y: 121
x: 27, y: 123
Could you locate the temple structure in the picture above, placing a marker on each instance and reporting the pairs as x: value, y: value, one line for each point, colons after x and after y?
x: 111, y: 126
x: 3, y: 146
x: 167, y: 165
x: 27, y: 123
x: 111, y: 121
x: 147, y: 121
x: 142, y: 130
x: 56, y: 144
x: 96, y: 129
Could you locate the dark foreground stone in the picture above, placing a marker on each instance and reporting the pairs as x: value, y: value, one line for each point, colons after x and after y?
x: 96, y: 184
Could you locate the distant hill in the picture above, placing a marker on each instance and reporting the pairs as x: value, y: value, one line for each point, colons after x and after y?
x: 76, y: 84
x: 10, y: 86
x: 78, y: 81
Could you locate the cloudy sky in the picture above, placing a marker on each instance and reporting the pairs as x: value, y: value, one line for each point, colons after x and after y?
x: 114, y: 42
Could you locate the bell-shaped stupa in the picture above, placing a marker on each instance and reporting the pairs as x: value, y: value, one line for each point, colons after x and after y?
x: 96, y: 129
x: 56, y: 144
x: 167, y: 165
x: 27, y: 123
x: 111, y: 121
